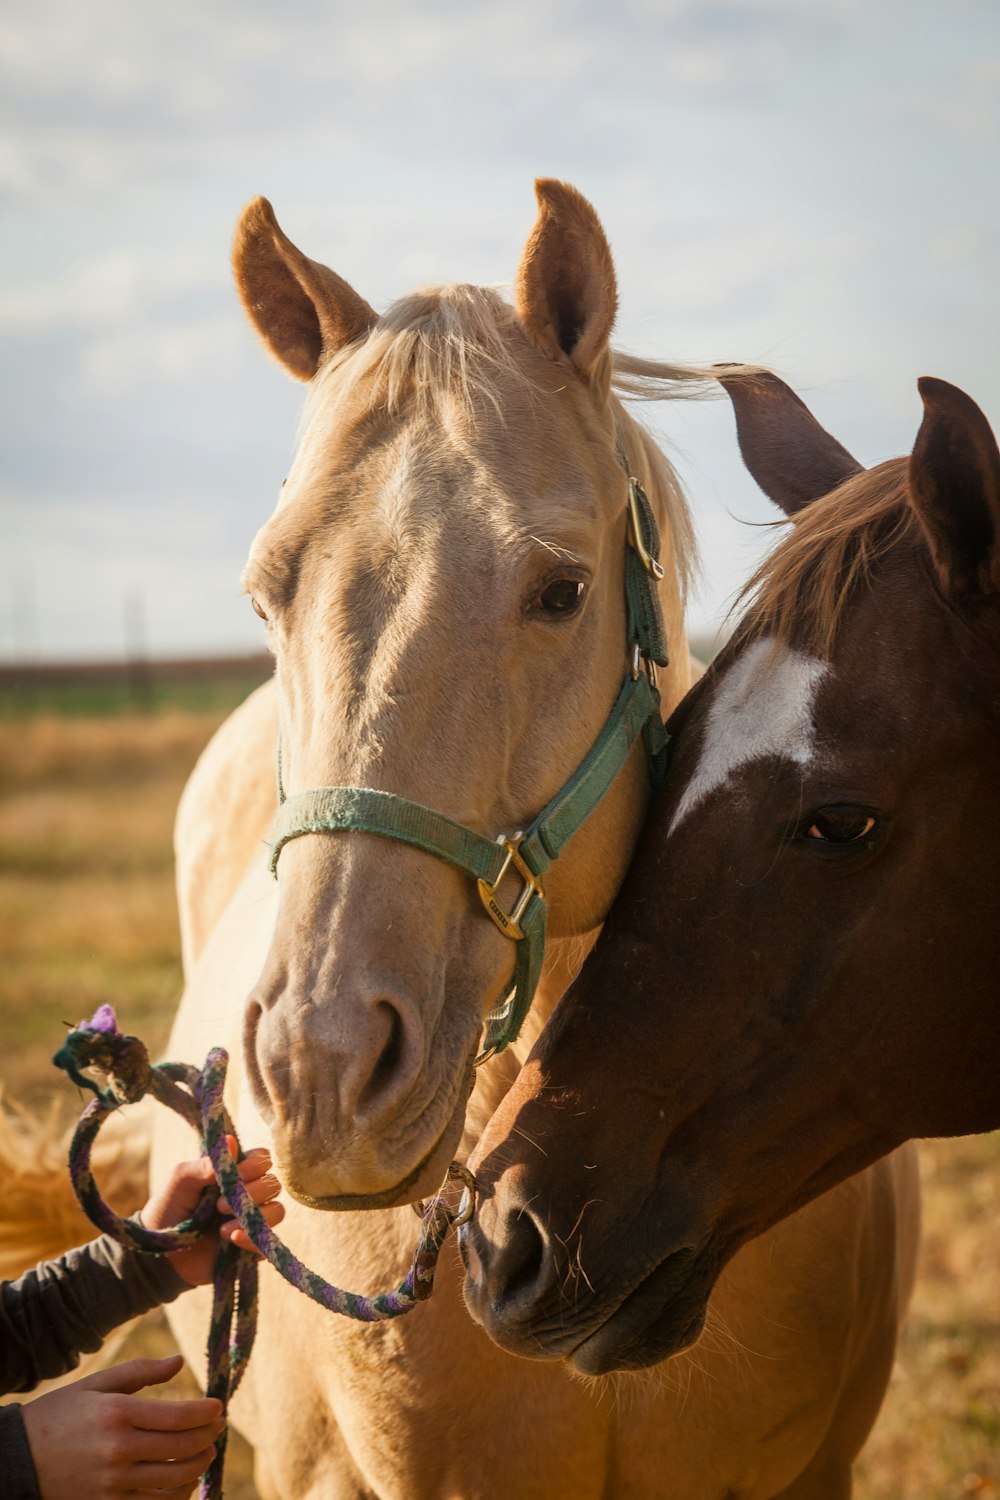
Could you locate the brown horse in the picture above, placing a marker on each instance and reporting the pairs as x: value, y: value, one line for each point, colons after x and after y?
x: 800, y: 970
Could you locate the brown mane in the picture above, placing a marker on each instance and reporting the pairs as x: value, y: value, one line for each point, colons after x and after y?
x: 802, y: 587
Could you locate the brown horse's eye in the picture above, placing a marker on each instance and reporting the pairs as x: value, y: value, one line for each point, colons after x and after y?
x: 841, y: 825
x: 257, y: 609
x: 560, y: 597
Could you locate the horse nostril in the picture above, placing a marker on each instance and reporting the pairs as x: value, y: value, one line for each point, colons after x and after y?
x: 520, y: 1262
x: 251, y: 1062
x: 390, y: 1058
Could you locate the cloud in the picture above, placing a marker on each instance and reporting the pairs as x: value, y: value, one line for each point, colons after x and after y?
x: 800, y: 183
x: 115, y: 287
x: 54, y: 578
x: 110, y: 89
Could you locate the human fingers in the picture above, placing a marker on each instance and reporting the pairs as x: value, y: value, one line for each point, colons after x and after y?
x: 176, y: 1416
x: 134, y: 1375
x: 253, y: 1166
x: 232, y: 1231
x: 261, y: 1190
x: 161, y: 1446
x: 179, y: 1195
x: 182, y: 1474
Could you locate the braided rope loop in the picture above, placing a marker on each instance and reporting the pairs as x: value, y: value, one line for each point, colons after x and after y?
x: 197, y: 1096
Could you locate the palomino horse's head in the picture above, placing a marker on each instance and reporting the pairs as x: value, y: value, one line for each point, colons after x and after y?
x: 800, y: 970
x: 443, y: 585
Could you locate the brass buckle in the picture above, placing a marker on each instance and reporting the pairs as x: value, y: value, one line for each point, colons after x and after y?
x: 509, y: 922
x: 647, y: 559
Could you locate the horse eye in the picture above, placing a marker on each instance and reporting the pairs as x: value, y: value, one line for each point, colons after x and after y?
x: 840, y: 825
x: 561, y: 596
x: 257, y: 609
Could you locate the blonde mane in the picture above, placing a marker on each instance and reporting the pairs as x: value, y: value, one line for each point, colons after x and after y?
x: 803, y: 586
x: 462, y: 344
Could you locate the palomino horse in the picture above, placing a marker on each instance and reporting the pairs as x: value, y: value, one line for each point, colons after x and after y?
x: 800, y: 970
x: 445, y: 584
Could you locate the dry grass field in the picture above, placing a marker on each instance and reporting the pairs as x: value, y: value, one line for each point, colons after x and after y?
x: 87, y: 915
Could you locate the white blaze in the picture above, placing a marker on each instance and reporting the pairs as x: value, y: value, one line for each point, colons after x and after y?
x: 763, y: 706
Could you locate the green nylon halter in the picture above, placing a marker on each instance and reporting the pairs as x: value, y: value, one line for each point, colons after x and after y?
x: 636, y: 712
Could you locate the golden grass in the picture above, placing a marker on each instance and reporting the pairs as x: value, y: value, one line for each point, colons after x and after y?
x: 938, y: 1436
x: 87, y: 908
x: 87, y: 914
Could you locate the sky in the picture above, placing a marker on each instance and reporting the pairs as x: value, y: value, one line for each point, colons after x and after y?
x: 810, y: 184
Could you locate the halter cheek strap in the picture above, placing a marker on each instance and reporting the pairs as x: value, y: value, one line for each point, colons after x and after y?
x: 527, y: 854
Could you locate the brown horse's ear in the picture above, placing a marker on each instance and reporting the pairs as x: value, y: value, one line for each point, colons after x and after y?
x: 792, y: 458
x: 565, y: 292
x: 955, y: 489
x: 303, y: 311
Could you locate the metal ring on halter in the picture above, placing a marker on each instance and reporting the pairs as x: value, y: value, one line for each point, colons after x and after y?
x: 457, y: 1173
x: 639, y: 661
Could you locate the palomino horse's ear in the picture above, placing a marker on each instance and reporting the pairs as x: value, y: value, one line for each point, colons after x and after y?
x: 565, y: 292
x: 955, y: 489
x: 792, y: 458
x: 303, y: 311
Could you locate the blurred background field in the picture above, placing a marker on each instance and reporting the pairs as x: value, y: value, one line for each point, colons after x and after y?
x: 88, y: 788
x: 89, y: 784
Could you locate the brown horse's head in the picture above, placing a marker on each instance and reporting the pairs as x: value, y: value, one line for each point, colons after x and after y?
x: 443, y: 586
x: 800, y: 970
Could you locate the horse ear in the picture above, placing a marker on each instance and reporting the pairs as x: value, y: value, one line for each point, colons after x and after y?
x: 303, y: 311
x: 955, y: 489
x: 792, y: 458
x: 565, y: 292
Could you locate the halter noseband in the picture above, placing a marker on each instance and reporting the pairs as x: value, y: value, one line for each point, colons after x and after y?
x: 529, y: 853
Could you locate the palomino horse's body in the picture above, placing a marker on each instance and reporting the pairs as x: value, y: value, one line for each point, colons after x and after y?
x: 443, y: 580
x: 800, y: 970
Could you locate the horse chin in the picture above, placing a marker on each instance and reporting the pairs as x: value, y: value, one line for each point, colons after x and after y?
x: 312, y: 1184
x: 644, y: 1330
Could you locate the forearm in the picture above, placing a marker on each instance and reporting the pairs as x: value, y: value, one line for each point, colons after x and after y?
x: 68, y: 1306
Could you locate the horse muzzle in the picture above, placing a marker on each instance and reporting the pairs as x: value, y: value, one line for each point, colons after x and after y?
x: 354, y: 1126
x: 538, y: 1298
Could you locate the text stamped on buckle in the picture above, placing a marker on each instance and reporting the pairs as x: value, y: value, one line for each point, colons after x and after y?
x: 509, y: 923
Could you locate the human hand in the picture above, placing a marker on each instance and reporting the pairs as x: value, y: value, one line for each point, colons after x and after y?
x: 96, y: 1439
x: 179, y: 1196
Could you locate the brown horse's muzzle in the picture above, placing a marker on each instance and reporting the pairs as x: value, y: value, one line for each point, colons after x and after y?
x: 605, y: 1292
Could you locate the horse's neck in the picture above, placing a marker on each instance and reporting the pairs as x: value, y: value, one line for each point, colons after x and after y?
x: 563, y: 960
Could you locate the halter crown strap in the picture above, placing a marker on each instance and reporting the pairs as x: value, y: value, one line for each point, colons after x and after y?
x: 636, y: 712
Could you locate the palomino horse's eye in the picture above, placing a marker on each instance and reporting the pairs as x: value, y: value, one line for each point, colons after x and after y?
x: 561, y: 596
x: 841, y: 825
x: 257, y: 609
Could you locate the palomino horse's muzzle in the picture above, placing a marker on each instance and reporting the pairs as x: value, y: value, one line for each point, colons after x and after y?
x: 529, y: 853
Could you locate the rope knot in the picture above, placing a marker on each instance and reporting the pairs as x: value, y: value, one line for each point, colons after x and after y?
x: 99, y: 1044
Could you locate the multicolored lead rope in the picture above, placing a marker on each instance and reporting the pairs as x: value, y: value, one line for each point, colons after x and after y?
x: 196, y: 1095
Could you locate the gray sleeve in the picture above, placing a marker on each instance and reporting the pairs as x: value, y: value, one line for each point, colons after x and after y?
x: 18, y: 1480
x: 67, y: 1307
